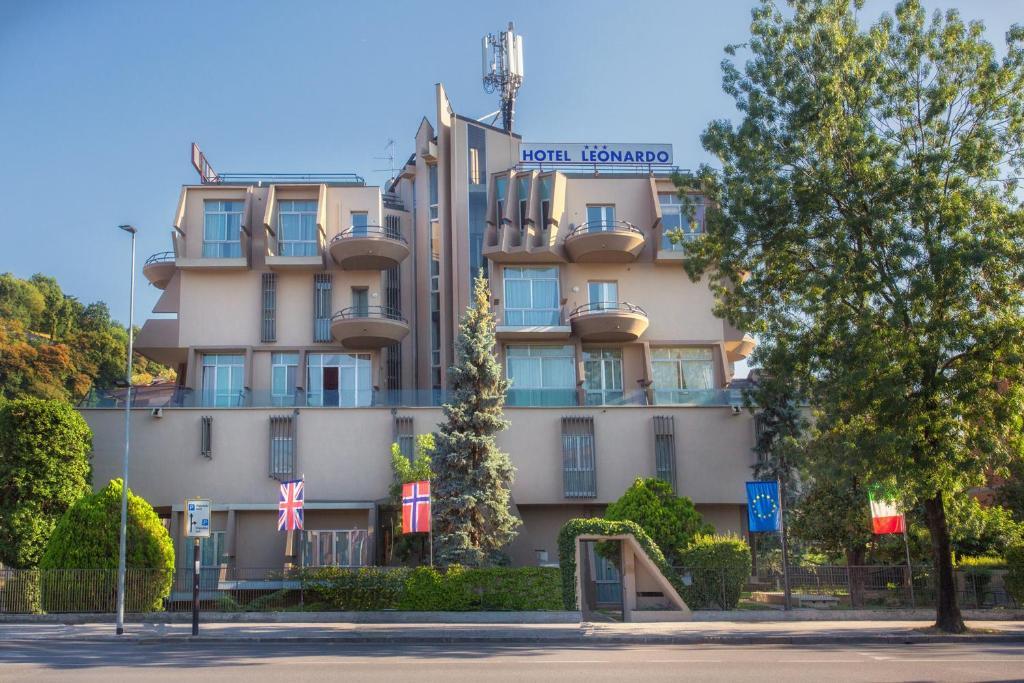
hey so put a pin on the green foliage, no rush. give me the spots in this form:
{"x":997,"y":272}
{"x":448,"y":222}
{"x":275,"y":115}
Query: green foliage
{"x":44,"y":469}
{"x":366,"y":588}
{"x":19,"y":591}
{"x":86,"y":538}
{"x":978,"y":530}
{"x":472,"y":478}
{"x":719,"y":567}
{"x":833,"y":517}
{"x":671,"y":521}
{"x":405,"y":547}
{"x":868,"y":229}
{"x":985,"y":561}
{"x":574,"y":528}
{"x":1014,"y":579}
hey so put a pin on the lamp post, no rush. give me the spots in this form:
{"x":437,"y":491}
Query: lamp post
{"x":123,"y":544}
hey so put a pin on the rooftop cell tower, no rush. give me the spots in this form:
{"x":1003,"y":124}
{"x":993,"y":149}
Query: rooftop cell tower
{"x":502,"y":59}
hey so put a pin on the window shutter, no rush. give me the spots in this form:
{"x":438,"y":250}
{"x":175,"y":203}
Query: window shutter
{"x":282,"y":447}
{"x":579,"y":464}
{"x":665,"y":449}
{"x":268,"y":328}
{"x":322,"y":307}
{"x":206,"y":436}
{"x":405,"y":436}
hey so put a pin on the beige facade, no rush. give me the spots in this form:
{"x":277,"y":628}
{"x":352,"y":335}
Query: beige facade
{"x":311,"y":320}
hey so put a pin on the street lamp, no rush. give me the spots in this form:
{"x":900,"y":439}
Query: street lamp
{"x":123,"y":545}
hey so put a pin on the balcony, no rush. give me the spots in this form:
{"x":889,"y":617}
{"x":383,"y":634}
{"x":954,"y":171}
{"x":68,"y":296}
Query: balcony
{"x":609,"y":321}
{"x":159,"y":269}
{"x":604,"y":242}
{"x":159,"y":340}
{"x":368,"y":327}
{"x":368,"y":248}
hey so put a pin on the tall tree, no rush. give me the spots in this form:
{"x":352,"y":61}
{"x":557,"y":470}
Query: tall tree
{"x":473,"y":479}
{"x":869,"y":193}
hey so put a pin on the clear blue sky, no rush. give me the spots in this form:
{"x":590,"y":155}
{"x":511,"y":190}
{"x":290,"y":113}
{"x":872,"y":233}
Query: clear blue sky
{"x":100,"y":100}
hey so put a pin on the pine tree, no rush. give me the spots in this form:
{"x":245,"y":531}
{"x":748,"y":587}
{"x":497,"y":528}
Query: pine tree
{"x":473,"y":479}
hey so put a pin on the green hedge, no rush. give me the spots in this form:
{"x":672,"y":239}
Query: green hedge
{"x":718,"y":567}
{"x":427,"y":589}
{"x":603,"y":527}
{"x":1014,"y":579}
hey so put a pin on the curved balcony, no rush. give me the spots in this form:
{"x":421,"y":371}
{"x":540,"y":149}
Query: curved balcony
{"x":368,"y":327}
{"x":604,"y":242}
{"x":608,"y":321}
{"x":159,"y":269}
{"x":369,"y":248}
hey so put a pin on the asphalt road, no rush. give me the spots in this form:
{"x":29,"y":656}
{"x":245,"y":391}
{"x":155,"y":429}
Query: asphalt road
{"x":251,"y":662}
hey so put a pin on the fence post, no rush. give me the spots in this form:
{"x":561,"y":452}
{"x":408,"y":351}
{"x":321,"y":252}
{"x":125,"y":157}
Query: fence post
{"x":721,"y":579}
{"x":974,"y":588}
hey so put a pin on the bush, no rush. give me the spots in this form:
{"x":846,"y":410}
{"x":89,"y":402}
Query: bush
{"x":85,"y":543}
{"x":981,"y":562}
{"x":671,"y":521}
{"x":719,"y":567}
{"x":1014,"y":579}
{"x":366,"y":588}
{"x":429,"y":590}
{"x":19,"y":591}
{"x":604,"y":527}
{"x":44,"y":467}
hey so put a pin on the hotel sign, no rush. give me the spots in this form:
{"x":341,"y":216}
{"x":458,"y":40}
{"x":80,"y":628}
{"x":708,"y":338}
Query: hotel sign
{"x":601,"y":153}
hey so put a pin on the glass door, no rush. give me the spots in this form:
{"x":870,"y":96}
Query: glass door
{"x":602,"y":376}
{"x":600,"y":218}
{"x":603,"y":295}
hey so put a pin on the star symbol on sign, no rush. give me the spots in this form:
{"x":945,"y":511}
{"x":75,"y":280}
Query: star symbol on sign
{"x":757,"y":508}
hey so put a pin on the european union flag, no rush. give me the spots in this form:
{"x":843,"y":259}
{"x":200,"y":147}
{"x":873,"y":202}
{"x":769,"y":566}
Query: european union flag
{"x":763,"y":505}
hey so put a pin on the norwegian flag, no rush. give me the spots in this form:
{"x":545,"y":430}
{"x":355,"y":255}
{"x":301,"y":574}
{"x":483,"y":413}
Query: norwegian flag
{"x":289,"y":507}
{"x":415,"y":507}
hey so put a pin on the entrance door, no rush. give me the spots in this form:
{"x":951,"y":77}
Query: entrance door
{"x":331,"y":386}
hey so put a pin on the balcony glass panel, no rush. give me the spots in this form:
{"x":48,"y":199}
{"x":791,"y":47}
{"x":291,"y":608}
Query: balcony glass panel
{"x":541,"y":375}
{"x":680,"y":371}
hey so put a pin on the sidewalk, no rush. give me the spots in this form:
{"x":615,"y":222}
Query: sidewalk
{"x":696,"y":632}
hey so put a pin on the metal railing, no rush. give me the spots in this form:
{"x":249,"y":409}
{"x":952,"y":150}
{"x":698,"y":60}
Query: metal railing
{"x":161,"y":257}
{"x":284,"y":178}
{"x":593,"y":227}
{"x":368,"y":231}
{"x":621,"y":168}
{"x":372,"y":312}
{"x":597,"y":307}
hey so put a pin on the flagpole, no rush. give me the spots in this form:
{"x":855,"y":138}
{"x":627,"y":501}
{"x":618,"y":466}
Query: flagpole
{"x":430,"y":541}
{"x":910,"y":567}
{"x":785,"y":549}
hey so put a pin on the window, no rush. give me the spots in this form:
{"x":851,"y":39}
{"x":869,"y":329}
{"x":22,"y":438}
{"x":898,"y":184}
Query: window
{"x":524,"y":203}
{"x":477,"y":199}
{"x":600,"y":218}
{"x":360,"y":302}
{"x":222,"y":225}
{"x":432,"y":182}
{"x":222,"y":380}
{"x":284,"y":368}
{"x":268,"y":323}
{"x":545,"y":202}
{"x":474,"y":166}
{"x":602,"y":376}
{"x":579,"y":464}
{"x":435,"y":305}
{"x":206,"y":436}
{"x":297,"y":231}
{"x":531,"y":296}
{"x":335,"y":548}
{"x":360,"y":223}
{"x":322,"y":295}
{"x":678,"y":371}
{"x":603,"y":295}
{"x":405,"y":437}
{"x":212,"y":550}
{"x":500,"y":191}
{"x":338,"y":379}
{"x":665,"y":449}
{"x":282,"y":447}
{"x":541,"y":375}
{"x":682,"y":219}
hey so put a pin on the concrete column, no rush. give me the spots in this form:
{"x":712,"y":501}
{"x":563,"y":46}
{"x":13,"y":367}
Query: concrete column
{"x":371,"y":535}
{"x":230,"y":532}
{"x":628,"y":580}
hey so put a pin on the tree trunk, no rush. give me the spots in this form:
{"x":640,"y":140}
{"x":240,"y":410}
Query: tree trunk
{"x":855,"y":565}
{"x":947,"y":610}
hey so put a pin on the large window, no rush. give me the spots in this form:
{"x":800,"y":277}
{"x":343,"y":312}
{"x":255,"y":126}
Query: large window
{"x":531,"y":296}
{"x":602,"y":376}
{"x":541,"y":375}
{"x":222,"y":226}
{"x":335,"y":548}
{"x":338,"y":379}
{"x":222,"y":380}
{"x":681,"y":219}
{"x":600,"y":218}
{"x":678,"y":371}
{"x":296,"y":225}
{"x":284,"y":369}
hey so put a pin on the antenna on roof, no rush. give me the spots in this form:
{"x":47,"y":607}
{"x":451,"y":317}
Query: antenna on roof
{"x":389,"y":156}
{"x":502,"y":62}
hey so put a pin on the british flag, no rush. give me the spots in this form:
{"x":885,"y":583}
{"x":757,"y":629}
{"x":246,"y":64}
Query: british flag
{"x":416,"y":507}
{"x":289,"y":507}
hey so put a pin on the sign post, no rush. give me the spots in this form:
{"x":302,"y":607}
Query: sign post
{"x":198,"y":527}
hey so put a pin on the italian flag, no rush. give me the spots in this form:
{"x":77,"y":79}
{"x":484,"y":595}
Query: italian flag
{"x":885,"y":516}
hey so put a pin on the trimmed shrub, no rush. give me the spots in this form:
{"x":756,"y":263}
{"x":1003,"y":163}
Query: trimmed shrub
{"x":19,"y":591}
{"x":85,"y":545}
{"x":1014,"y":579}
{"x":718,"y":567}
{"x":605,"y":527}
{"x":366,"y":588}
{"x":429,"y":590}
{"x":671,"y":521}
{"x":981,"y":562}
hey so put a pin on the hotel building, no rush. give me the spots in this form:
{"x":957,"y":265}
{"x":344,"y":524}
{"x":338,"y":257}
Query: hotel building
{"x":311,"y":319}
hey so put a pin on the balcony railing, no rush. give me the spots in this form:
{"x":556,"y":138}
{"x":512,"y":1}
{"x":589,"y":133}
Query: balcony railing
{"x":162,"y":257}
{"x":597,"y":307}
{"x":368,"y":231}
{"x":371,"y":312}
{"x":592,"y":227}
